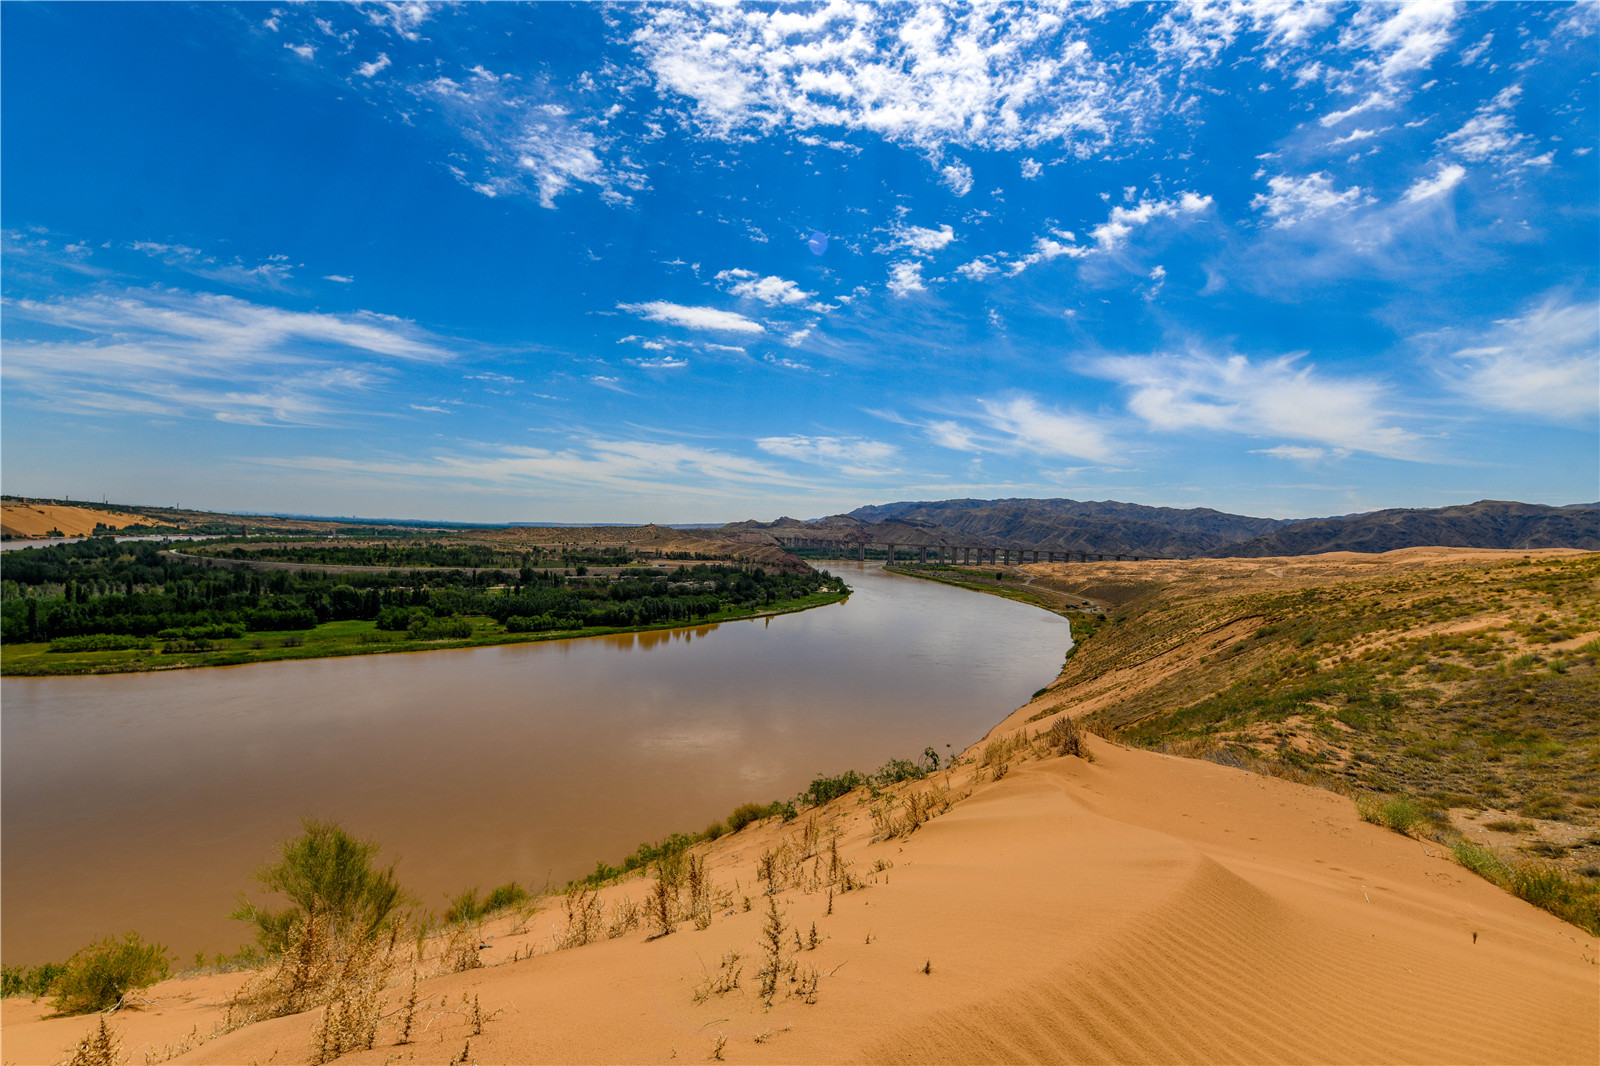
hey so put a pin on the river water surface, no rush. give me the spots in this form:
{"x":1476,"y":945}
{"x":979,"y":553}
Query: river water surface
{"x":144,"y":801}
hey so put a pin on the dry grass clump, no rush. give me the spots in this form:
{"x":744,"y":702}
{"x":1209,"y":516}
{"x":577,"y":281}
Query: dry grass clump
{"x":1067,"y":737}
{"x":900,"y":816}
{"x":460,"y":949}
{"x":100,"y":1046}
{"x":725,"y":980}
{"x":998,"y":753}
{"x":326,"y":965}
{"x":584,"y":919}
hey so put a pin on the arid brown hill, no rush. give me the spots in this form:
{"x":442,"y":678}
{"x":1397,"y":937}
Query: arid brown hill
{"x":1078,"y":525}
{"x":1485,"y":524}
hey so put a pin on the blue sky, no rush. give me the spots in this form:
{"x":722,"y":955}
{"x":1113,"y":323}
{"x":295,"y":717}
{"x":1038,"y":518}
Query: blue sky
{"x":573,"y":263}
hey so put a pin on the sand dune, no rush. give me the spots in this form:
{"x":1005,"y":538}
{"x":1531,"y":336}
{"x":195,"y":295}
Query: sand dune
{"x":36,"y":520}
{"x":1140,"y":909}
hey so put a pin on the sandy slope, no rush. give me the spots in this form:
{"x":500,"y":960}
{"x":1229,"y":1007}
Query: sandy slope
{"x":1140,"y":909}
{"x":36,"y":520}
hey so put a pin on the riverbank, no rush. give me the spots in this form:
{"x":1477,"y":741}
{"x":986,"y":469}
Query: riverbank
{"x":330,"y":640}
{"x":1022,"y":904}
{"x":1138,"y":907}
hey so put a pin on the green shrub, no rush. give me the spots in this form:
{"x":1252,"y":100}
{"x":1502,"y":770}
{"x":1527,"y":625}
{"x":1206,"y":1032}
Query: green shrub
{"x":1400,"y":814}
{"x":97,"y":977}
{"x":34,"y":981}
{"x":745,"y":814}
{"x":1554,"y":891}
{"x":99,"y":642}
{"x":825,"y":788}
{"x":504,"y":897}
{"x":326,"y":871}
{"x":1483,"y":862}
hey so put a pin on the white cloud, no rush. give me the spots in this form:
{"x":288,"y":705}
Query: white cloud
{"x":1541,"y":364}
{"x":977,"y":269}
{"x":1301,"y":453}
{"x":342,"y":279}
{"x":772,"y":291}
{"x":993,"y":77}
{"x":797,"y":338}
{"x":1489,"y":134}
{"x":905,"y":278}
{"x":304,"y":51}
{"x":1115,"y":231}
{"x":1447,"y":177}
{"x":272,"y":273}
{"x":1292,"y":201}
{"x":1359,"y":134}
{"x":708,"y":318}
{"x":919,"y":239}
{"x":957,"y":177}
{"x":1278,"y":397}
{"x":403,"y":19}
{"x":1373,"y":101}
{"x":1026,"y":426}
{"x":526,"y":142}
{"x":857,"y":456}
{"x":665,"y":362}
{"x":580,"y":470}
{"x":1031,"y":168}
{"x":1404,"y":37}
{"x":367,"y":70}
{"x":1044,"y":250}
{"x":177,"y":354}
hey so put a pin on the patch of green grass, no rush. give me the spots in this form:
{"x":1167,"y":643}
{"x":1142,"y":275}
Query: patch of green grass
{"x":98,"y":976}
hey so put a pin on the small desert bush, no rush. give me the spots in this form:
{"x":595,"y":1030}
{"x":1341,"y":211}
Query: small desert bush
{"x":1066,"y":737}
{"x":98,"y":976}
{"x":326,"y":963}
{"x":100,"y":1046}
{"x":1402,"y":814}
{"x":326,"y":866}
{"x":745,"y":814}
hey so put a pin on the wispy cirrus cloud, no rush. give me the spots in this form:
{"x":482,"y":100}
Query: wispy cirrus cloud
{"x":851,"y":456}
{"x":187,"y":355}
{"x":1540,"y":364}
{"x":1282,"y":396}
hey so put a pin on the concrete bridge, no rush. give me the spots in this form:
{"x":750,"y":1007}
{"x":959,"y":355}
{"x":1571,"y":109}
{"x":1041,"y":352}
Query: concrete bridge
{"x":947,"y":554}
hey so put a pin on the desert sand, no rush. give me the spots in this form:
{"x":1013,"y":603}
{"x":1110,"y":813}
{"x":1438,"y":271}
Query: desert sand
{"x":1137,"y":908}
{"x":38,"y":519}
{"x":1142,"y":908}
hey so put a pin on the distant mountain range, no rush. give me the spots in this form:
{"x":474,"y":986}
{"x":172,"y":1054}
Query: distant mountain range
{"x":1109,"y":527}
{"x":1485,"y":524}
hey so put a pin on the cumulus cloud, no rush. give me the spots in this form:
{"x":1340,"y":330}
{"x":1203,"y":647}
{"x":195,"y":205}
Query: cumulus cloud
{"x":1403,"y":38}
{"x":705,"y":318}
{"x":957,"y":177}
{"x":926,"y":75}
{"x":1489,"y":135}
{"x":1115,"y":231}
{"x":977,"y":269}
{"x":905,"y":278}
{"x":1291,"y":201}
{"x":1540,"y":364}
{"x":919,"y":239}
{"x":772,"y":291}
{"x":1280,"y":397}
{"x":367,"y":70}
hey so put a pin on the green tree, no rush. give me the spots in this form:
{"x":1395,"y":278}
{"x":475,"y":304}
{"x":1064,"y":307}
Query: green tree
{"x":328,"y":872}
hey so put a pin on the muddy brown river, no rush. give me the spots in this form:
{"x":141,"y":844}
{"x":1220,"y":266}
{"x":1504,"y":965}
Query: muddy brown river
{"x":144,"y":801}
